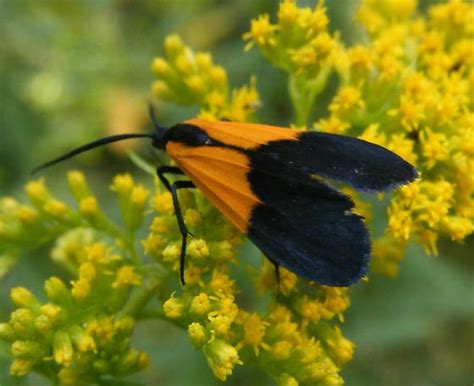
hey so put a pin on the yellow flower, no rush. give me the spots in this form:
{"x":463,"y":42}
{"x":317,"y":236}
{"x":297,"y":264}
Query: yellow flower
{"x":287,"y":380}
{"x":198,"y":249}
{"x":196,"y":84}
{"x":26,"y":215}
{"x":457,"y":227}
{"x":387,"y":252}
{"x":453,"y":14}
{"x":171,"y":253}
{"x":254,"y":329}
{"x":261,"y":32}
{"x":80,"y":288}
{"x":173,"y":45}
{"x":221,"y":358}
{"x":400,"y":222}
{"x":281,"y":350}
{"x":219,"y":323}
{"x":122,"y":184}
{"x":82,"y":340}
{"x":55,"y":208}
{"x":402,"y":146}
{"x":347,"y":98}
{"x":221,"y":282}
{"x":20,"y":367}
{"x":78,"y":185}
{"x":287,"y":12}
{"x":333,"y":125}
{"x":163,"y":203}
{"x":341,"y":348}
{"x":196,"y":333}
{"x":173,"y":307}
{"x":399,"y":8}
{"x":97,"y":253}
{"x":51,"y":311}
{"x":21,"y":297}
{"x":200,"y":304}
{"x":126,"y":276}
{"x":316,"y":21}
{"x":89,"y":206}
{"x":360,"y":57}
{"x":36,"y":191}
{"x":309,"y":309}
{"x":152,"y":244}
{"x":63,"y":349}
{"x":159,"y":225}
{"x":435,"y":147}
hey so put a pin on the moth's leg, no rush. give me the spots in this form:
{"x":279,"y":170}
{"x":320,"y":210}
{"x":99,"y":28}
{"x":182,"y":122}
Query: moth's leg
{"x":162,"y":170}
{"x":277,"y":272}
{"x":182,"y":226}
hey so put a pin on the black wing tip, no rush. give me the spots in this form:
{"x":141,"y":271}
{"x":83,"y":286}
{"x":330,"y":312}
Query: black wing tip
{"x":402,"y":176}
{"x":409,"y":175}
{"x":345,"y":280}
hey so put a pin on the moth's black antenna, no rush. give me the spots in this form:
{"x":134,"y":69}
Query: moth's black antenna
{"x":151,"y":113}
{"x":89,"y":146}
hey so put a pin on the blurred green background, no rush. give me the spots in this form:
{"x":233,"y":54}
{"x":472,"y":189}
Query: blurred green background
{"x":75,"y":71}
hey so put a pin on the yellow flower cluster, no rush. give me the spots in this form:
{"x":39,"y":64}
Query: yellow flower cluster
{"x":409,"y":89}
{"x":72,"y":337}
{"x":426,"y":67}
{"x":73,"y":334}
{"x":289,"y":342}
{"x":228,"y":334}
{"x":77,"y":335}
{"x":300,"y":43}
{"x":207,"y":252}
{"x":189,"y":78}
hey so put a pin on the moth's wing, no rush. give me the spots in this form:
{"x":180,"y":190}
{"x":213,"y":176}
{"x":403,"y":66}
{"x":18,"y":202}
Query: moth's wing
{"x":221,"y":174}
{"x":298,"y":222}
{"x":364,"y":165}
{"x":309,"y":228}
{"x":245,"y":136}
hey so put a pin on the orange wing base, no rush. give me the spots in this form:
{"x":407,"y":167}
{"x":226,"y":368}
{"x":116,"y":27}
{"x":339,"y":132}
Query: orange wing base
{"x":221,"y":174}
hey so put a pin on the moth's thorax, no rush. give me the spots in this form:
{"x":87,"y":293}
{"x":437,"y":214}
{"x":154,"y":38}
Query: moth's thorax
{"x":187,"y":134}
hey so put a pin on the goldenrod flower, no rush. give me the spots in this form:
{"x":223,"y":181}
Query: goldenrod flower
{"x":261,"y":32}
{"x":221,"y":358}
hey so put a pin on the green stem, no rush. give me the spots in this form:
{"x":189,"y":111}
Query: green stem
{"x":155,"y":313}
{"x":158,"y":313}
{"x":129,"y":239}
{"x":303,"y":92}
{"x":302,"y":100}
{"x":141,"y":299}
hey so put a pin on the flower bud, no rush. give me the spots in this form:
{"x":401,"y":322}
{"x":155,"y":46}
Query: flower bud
{"x":173,"y":307}
{"x":62,"y":348}
{"x":21,"y":297}
{"x":221,"y":358}
{"x":26,"y":349}
{"x":78,"y":185}
{"x":56,"y":291}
